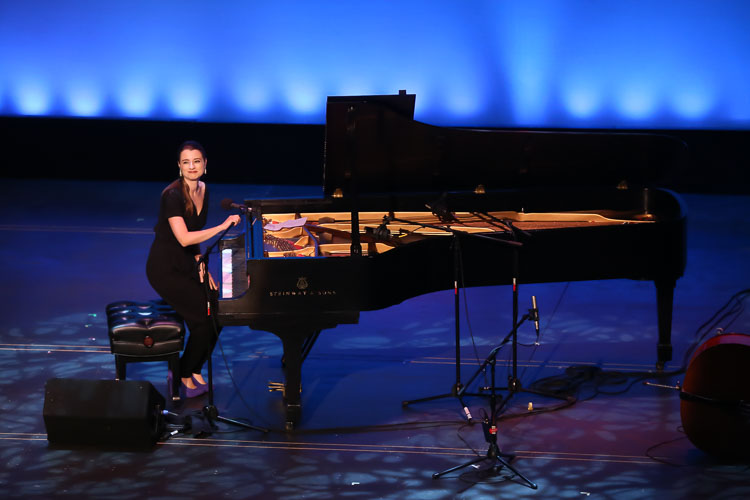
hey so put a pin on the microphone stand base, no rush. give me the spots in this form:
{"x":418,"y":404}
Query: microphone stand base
{"x":212,"y":414}
{"x":493,"y":454}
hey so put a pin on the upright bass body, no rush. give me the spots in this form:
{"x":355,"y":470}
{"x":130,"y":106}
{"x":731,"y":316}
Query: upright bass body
{"x":715,"y":397}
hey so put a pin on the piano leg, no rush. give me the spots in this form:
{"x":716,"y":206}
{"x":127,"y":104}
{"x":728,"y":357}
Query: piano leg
{"x":308,"y":344}
{"x":293,"y":347}
{"x":664,"y":304}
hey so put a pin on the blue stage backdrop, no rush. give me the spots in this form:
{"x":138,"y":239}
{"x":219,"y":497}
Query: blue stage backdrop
{"x":532,"y":63}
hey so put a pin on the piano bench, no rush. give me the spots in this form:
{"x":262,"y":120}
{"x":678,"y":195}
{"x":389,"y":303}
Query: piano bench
{"x":146,"y":331}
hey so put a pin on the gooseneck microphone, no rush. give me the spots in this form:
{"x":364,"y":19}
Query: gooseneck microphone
{"x":228,"y":204}
{"x":536,"y":315}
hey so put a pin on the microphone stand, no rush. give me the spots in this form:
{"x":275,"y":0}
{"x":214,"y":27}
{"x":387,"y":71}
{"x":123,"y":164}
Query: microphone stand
{"x":514,"y":383}
{"x":458,"y":389}
{"x":456,"y":250}
{"x":489,"y":425}
{"x":210,"y":411}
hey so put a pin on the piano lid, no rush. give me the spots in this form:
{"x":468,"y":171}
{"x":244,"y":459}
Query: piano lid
{"x":373,"y":145}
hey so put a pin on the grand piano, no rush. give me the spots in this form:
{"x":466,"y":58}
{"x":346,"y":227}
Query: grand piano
{"x":400,"y":196}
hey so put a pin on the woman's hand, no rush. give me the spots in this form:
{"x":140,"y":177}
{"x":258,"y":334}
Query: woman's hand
{"x":211,"y":282}
{"x":202,"y":274}
{"x":232,"y":220}
{"x":201,"y":267}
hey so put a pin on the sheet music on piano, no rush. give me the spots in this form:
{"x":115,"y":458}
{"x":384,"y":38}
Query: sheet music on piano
{"x":277,"y":226}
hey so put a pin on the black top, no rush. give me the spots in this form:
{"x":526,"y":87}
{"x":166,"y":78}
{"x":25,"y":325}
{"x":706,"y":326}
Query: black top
{"x":166,"y":250}
{"x":173,"y":205}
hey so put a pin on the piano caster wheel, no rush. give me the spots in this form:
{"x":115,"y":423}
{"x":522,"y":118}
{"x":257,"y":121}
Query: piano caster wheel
{"x":293,"y":416}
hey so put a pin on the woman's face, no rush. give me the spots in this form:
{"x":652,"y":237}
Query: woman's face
{"x":192,"y":164}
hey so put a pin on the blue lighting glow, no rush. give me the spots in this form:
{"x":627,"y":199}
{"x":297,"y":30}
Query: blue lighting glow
{"x":637,"y":100}
{"x":581,"y":99}
{"x":187,"y":99}
{"x":693,"y":103}
{"x":537,"y":63}
{"x":251,"y":97}
{"x":136,"y":98}
{"x":304,"y":98}
{"x":462,"y":101}
{"x":84,"y":99}
{"x":740,"y":111}
{"x":32,"y":97}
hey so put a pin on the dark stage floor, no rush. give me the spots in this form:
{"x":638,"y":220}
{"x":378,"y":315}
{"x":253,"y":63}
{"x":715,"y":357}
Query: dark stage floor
{"x":69,"y":248}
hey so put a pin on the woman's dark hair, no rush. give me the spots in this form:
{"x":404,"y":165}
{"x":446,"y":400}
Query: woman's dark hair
{"x":189,"y":145}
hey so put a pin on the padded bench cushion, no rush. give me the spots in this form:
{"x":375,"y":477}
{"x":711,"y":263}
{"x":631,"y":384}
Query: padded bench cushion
{"x":142,"y":329}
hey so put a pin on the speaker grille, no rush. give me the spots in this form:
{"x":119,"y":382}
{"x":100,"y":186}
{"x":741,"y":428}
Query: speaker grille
{"x":102,"y":412}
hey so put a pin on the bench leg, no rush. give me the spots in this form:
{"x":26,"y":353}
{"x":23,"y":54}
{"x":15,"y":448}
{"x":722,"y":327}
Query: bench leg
{"x":174,"y":367}
{"x":120,"y":367}
{"x":121,"y":363}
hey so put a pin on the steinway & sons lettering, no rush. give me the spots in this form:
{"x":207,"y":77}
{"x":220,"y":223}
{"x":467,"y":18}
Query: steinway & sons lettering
{"x":303,"y":290}
{"x":300,"y":293}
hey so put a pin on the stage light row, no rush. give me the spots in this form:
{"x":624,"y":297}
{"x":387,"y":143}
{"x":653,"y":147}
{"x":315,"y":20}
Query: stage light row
{"x":572,"y":103}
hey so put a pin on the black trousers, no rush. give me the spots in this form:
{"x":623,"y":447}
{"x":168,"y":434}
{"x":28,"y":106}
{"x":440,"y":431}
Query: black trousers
{"x":178,"y":283}
{"x":200,"y":343}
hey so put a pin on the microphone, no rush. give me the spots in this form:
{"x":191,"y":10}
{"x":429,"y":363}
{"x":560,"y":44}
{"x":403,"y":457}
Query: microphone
{"x":440,"y":209}
{"x":536,"y":315}
{"x":228,"y":204}
{"x":382,"y":232}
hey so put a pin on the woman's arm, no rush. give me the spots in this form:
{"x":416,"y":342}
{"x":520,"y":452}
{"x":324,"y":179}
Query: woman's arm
{"x":187,"y":238}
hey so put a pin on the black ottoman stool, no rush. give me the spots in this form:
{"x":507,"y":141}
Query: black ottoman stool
{"x":146,"y":331}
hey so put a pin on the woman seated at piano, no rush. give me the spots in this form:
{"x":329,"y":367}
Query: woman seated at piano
{"x":173,"y":269}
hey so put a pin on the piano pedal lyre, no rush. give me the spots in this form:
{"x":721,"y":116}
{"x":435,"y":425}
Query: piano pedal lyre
{"x":280,"y":387}
{"x":277,"y":387}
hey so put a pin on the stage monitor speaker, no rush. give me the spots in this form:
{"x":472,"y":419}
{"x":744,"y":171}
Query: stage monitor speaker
{"x":103,"y":412}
